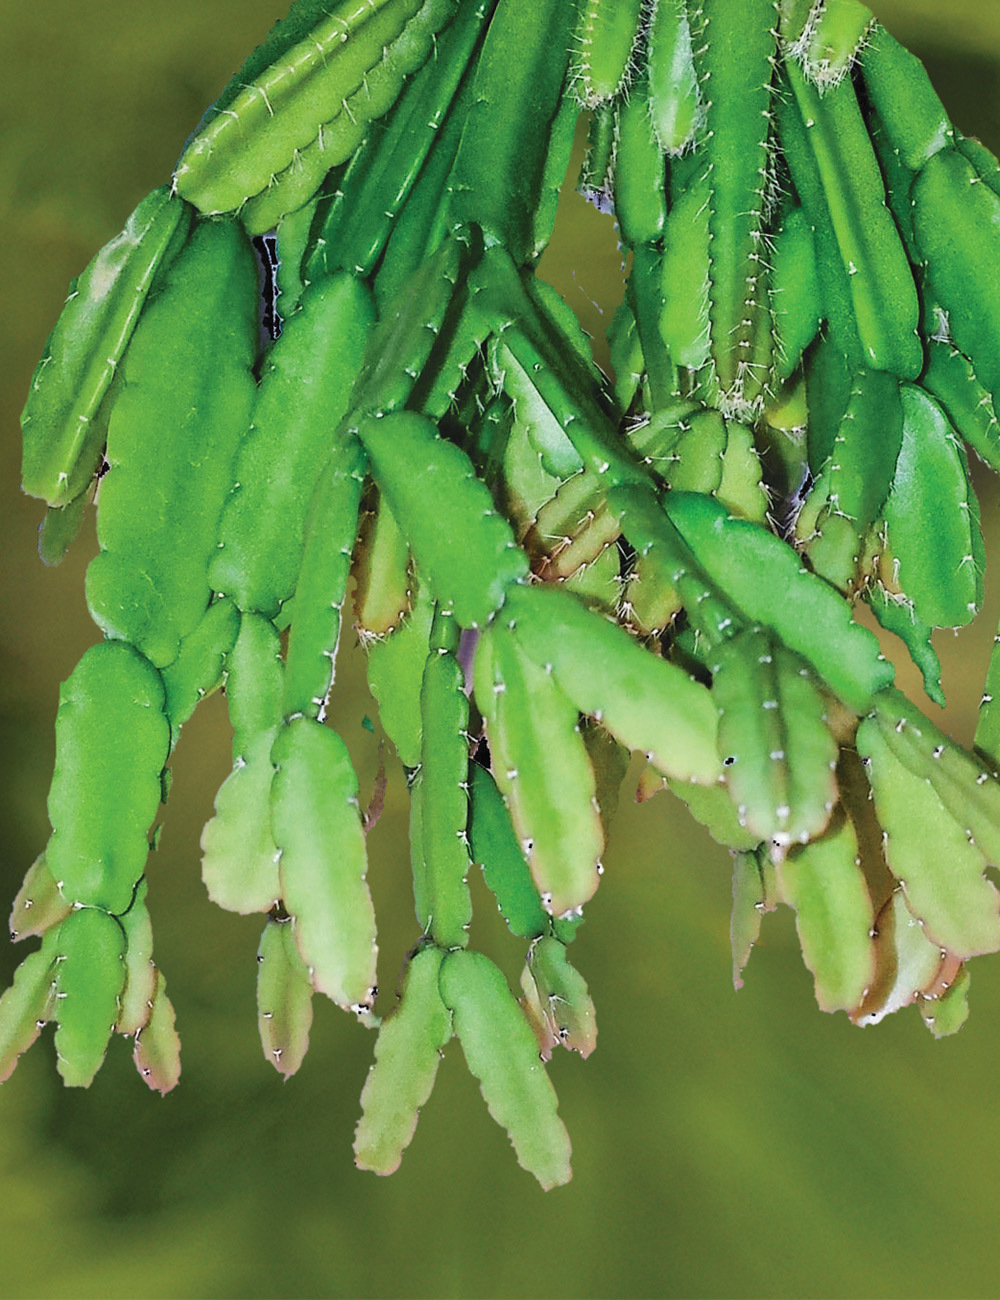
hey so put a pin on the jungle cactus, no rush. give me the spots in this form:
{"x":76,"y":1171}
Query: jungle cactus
{"x":550,"y":567}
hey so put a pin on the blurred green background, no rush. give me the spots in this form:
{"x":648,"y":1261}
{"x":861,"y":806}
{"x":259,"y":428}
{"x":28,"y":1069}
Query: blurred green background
{"x":725,"y":1145}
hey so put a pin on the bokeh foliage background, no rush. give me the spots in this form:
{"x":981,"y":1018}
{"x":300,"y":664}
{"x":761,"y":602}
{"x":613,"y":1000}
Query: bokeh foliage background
{"x":725,"y":1145}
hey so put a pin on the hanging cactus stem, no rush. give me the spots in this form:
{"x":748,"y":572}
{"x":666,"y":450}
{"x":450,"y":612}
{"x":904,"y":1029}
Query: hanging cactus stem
{"x":547,"y":570}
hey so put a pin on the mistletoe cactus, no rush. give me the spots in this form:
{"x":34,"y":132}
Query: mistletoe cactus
{"x":548,"y":567}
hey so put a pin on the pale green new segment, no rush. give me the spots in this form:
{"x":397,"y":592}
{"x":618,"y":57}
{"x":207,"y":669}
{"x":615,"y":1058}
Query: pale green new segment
{"x":26,"y":1006}
{"x":837,"y":34}
{"x":750,"y":902}
{"x":317,"y":828}
{"x":964,"y":784}
{"x":684,"y":317}
{"x":197,"y":671}
{"x":407,"y":1052}
{"x":778,"y":751}
{"x":157,"y":1050}
{"x":140,"y":973}
{"x":823,"y":882}
{"x":796,"y":299}
{"x":562,"y":997}
{"x":562,"y":136}
{"x":501,"y":1051}
{"x":38,"y":905}
{"x":712,"y":806}
{"x":284,"y":998}
{"x":254,"y":681}
{"x":395,"y":672}
{"x":640,"y":171}
{"x":61,"y":526}
{"x":239,"y":856}
{"x":930,"y":854}
{"x":383,"y":584}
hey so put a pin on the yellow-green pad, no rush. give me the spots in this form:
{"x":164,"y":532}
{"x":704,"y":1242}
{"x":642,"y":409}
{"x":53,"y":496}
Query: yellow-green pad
{"x":963,"y":783}
{"x":197,"y":671}
{"x":947,"y":1013}
{"x":675,"y":106}
{"x":605,"y":33}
